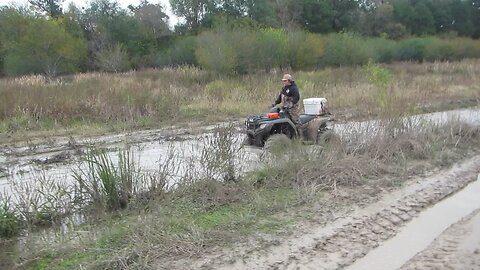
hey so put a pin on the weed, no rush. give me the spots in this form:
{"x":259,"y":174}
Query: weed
{"x":9,"y":224}
{"x":104,"y":184}
{"x":43,"y":201}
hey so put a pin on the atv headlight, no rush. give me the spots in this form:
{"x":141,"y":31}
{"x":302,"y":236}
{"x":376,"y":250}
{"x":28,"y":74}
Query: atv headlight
{"x":262,"y":126}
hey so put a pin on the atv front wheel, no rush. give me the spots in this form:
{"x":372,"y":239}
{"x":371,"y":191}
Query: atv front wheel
{"x":327,"y":137}
{"x":252,"y":141}
{"x":277,"y":142}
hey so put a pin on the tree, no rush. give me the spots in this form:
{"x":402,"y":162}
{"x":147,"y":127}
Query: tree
{"x":344,"y":14}
{"x":262,"y":11}
{"x":13,"y":24}
{"x":288,"y":13}
{"x":403,"y":13}
{"x":52,"y":8}
{"x":153,"y":17}
{"x":192,"y":11}
{"x":422,"y":20}
{"x":462,"y":17}
{"x":45,"y":48}
{"x":317,"y":16}
{"x":476,"y":18}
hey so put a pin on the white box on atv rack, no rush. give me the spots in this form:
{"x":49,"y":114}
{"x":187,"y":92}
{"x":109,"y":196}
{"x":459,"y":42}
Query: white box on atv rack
{"x":314,"y":106}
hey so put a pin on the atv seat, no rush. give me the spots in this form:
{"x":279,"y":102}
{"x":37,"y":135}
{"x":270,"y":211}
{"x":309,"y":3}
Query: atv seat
{"x":305,"y":118}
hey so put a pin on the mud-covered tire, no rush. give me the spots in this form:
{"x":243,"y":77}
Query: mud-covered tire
{"x":248,"y":141}
{"x":277,"y":142}
{"x":252,"y":141}
{"x":327,"y":137}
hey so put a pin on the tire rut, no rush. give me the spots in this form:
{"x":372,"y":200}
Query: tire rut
{"x":342,"y":242}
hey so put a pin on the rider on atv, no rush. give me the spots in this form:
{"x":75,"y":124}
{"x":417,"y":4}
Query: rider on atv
{"x":289,"y":98}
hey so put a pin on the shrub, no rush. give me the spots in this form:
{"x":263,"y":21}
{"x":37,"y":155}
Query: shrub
{"x":411,"y":50}
{"x":9,"y":226}
{"x":345,"y":49}
{"x":112,"y":59}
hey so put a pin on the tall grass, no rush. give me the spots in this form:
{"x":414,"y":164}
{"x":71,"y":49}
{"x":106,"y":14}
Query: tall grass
{"x":104,"y":184}
{"x":9,"y":223}
{"x":153,"y":98}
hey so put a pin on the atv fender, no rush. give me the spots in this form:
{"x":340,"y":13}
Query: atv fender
{"x":313,"y":127}
{"x":275,"y":127}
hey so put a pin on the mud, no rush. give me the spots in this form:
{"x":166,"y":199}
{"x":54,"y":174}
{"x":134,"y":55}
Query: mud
{"x":456,"y":248}
{"x":344,"y":237}
{"x":56,"y":158}
{"x":421,"y":231}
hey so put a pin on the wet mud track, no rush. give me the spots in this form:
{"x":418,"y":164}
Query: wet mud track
{"x":457,"y":248}
{"x":343,"y":241}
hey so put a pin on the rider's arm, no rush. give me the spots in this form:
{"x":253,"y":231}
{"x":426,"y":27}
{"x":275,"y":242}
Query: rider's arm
{"x":278,"y":100}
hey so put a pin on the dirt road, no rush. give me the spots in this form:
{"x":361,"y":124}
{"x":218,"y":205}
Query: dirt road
{"x":457,"y":248}
{"x":351,"y":236}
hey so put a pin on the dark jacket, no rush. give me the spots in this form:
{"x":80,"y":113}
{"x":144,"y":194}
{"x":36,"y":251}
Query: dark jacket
{"x":289,"y":91}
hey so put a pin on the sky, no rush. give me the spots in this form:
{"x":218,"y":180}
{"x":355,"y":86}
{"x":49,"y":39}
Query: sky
{"x":123,"y":4}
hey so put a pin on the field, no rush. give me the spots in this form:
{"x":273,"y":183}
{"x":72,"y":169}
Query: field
{"x":219,"y":216}
{"x":98,"y":103}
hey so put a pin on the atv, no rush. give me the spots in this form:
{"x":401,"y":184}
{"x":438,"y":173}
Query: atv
{"x":262,"y":128}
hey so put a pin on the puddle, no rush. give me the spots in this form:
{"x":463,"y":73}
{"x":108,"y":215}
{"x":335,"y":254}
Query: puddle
{"x":421,"y":231}
{"x":150,"y":149}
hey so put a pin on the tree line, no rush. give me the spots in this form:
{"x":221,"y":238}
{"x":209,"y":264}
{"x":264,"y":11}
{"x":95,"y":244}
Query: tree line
{"x":233,"y":36}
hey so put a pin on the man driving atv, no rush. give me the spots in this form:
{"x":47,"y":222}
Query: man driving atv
{"x":289,"y":97}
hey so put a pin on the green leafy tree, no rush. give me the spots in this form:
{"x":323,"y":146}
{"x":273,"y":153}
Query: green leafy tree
{"x":215,"y":52}
{"x":462,"y":17}
{"x":152,"y":17}
{"x":13,"y":24}
{"x":45,"y":48}
{"x":192,"y":11}
{"x":262,"y":11}
{"x":422,"y":21}
{"x":52,"y":8}
{"x":317,"y":16}
{"x":403,"y":13}
{"x":476,"y":18}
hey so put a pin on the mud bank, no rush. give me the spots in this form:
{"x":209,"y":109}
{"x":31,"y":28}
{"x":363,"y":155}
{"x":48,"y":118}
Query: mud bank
{"x":347,"y":236}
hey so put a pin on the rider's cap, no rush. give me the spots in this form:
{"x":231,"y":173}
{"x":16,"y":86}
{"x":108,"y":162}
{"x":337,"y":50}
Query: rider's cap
{"x":287,"y":77}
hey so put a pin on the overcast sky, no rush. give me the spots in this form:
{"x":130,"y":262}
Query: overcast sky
{"x":123,"y":4}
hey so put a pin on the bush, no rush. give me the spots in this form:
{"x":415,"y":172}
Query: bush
{"x":9,"y":226}
{"x":304,"y":49}
{"x":411,"y":50}
{"x":345,"y":49}
{"x":181,"y":53}
{"x":112,"y":59}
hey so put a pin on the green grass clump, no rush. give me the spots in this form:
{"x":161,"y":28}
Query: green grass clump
{"x":9,"y":224}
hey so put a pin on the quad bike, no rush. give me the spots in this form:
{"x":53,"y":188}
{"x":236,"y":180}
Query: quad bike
{"x":262,"y":128}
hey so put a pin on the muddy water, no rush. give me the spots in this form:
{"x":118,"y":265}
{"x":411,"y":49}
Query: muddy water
{"x":469,"y":116}
{"x":421,"y":231}
{"x":150,"y":149}
{"x":149,"y":156}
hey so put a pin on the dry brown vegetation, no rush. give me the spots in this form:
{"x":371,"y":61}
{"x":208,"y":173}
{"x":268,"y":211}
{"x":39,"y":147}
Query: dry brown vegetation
{"x":152,"y":98}
{"x":210,"y":207}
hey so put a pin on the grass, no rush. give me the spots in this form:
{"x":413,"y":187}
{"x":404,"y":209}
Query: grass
{"x":215,"y":205}
{"x":9,"y":223}
{"x":291,"y":187}
{"x":97,"y":102}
